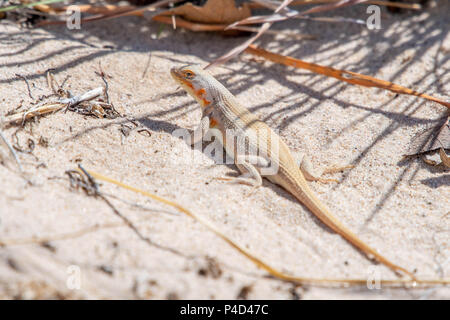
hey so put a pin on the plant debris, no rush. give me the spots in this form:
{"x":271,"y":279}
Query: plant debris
{"x":431,"y":141}
{"x":88,"y":104}
{"x":214,"y":11}
{"x":11,"y":149}
{"x":343,"y":75}
{"x":281,"y":275}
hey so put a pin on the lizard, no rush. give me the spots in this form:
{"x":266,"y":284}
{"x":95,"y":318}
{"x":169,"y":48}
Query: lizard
{"x":221,"y":111}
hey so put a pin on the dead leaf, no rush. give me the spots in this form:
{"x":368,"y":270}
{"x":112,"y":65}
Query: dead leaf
{"x":214,"y":11}
{"x":444,"y":158}
{"x":430,"y":162}
{"x":432,"y":139}
{"x":193,"y":26}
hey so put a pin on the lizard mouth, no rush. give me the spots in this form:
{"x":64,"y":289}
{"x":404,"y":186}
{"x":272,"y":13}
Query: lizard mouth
{"x":175,"y":73}
{"x":178,"y":76}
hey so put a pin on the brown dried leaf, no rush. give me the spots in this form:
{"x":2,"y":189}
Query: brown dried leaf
{"x":431,"y":139}
{"x":444,"y":158}
{"x":214,"y":11}
{"x":193,"y":26}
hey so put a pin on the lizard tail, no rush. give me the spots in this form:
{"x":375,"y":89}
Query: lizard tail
{"x":305,"y":195}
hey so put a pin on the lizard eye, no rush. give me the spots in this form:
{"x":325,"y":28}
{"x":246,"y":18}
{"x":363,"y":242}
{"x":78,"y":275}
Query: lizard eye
{"x":188,"y":75}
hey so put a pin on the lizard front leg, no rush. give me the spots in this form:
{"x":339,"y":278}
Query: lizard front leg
{"x":200,"y":131}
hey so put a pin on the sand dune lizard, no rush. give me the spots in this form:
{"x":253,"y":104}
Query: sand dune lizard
{"x":222,"y":111}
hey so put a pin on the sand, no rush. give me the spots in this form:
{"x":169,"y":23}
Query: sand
{"x":398,"y":207}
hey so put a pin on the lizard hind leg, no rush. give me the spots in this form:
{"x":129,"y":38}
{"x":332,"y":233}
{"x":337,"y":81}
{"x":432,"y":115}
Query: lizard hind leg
{"x":336,"y":169}
{"x":312,"y":174}
{"x":250,"y":174}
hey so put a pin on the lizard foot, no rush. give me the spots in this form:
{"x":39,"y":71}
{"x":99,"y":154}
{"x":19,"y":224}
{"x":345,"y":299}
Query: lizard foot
{"x":328,"y":171}
{"x":252,"y":191}
{"x":243,"y":179}
{"x":337,"y":169}
{"x":323,"y":180}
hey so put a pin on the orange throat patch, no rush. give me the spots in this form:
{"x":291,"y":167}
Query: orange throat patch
{"x":212,"y":122}
{"x":200,"y":93}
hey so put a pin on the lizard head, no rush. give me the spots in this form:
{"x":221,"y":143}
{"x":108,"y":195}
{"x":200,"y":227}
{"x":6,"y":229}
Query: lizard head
{"x":194,"y":80}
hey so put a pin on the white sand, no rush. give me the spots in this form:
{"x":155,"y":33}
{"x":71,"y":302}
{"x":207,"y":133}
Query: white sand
{"x":400,"y":208}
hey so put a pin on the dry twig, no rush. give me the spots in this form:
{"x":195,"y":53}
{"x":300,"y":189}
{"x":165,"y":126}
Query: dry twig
{"x":11,"y":149}
{"x":263,"y":265}
{"x":343,"y":75}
